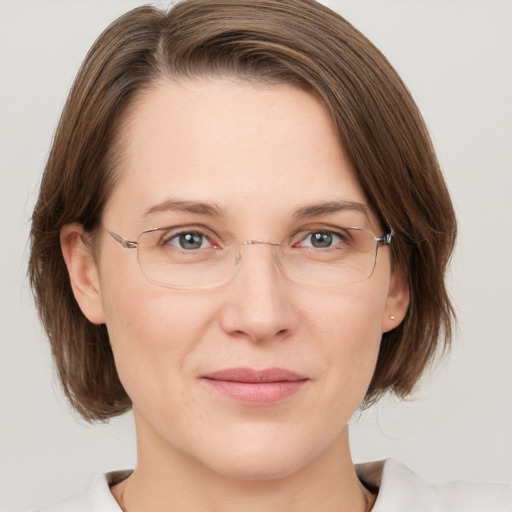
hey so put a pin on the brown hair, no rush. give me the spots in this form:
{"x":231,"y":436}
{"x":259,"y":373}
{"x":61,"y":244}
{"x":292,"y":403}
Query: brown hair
{"x":299,"y":42}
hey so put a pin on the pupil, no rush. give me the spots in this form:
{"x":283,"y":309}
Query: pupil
{"x":321,"y":239}
{"x":191,"y":240}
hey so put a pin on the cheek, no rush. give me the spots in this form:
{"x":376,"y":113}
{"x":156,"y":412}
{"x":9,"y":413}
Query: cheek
{"x":346,"y":327}
{"x":349,"y":319}
{"x":153,"y":331}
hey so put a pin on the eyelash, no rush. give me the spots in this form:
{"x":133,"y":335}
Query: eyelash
{"x":331,"y":233}
{"x":169,"y":236}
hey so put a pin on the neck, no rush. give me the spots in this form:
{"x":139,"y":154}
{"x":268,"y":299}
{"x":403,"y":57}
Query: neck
{"x":167,"y":480}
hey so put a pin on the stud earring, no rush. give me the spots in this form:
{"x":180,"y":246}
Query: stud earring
{"x":392,"y":317}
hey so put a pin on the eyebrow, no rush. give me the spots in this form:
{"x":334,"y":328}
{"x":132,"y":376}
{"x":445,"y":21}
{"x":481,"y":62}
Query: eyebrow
{"x":330,"y":207}
{"x":198,"y":207}
{"x":214,"y":210}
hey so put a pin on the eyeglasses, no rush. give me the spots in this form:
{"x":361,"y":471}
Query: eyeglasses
{"x":190,"y":258}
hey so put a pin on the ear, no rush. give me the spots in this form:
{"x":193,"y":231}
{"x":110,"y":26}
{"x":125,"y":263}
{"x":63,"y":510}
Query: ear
{"x":397,"y":301}
{"x":83,"y":272}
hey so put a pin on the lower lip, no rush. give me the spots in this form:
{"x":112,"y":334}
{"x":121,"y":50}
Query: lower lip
{"x":257,"y":392}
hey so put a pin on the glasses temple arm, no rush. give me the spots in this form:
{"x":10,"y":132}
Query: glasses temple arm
{"x":386,"y":239}
{"x":125,"y":243}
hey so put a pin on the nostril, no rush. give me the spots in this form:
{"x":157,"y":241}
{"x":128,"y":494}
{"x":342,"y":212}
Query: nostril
{"x":261,"y":337}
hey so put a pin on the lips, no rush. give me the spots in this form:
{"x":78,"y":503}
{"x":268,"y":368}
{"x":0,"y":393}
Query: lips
{"x":256,"y":386}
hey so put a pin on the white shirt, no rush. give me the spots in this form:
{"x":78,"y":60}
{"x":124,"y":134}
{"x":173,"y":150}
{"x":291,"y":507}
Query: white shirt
{"x":400,"y":490}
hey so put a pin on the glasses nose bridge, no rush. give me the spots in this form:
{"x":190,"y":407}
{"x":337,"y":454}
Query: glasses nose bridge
{"x":258,"y":242}
{"x":246,"y":243}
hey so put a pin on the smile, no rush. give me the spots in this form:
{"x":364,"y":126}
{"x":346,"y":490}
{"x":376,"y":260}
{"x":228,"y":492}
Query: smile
{"x":256,"y":386}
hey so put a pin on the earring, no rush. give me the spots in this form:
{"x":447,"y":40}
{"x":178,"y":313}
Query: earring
{"x":392,"y":317}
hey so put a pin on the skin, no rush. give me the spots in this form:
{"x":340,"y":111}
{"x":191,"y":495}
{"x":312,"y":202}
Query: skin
{"x":260,"y":152}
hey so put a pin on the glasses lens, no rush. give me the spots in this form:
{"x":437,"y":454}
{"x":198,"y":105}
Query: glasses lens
{"x":181,"y":260}
{"x":186,"y":260}
{"x":349,"y":258}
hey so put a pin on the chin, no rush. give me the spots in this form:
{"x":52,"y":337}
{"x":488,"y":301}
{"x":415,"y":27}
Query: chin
{"x":260,"y":468}
{"x":271,"y":459}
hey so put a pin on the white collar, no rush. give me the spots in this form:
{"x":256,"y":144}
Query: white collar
{"x":400,"y":490}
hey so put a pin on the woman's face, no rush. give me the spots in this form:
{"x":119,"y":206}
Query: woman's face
{"x":238,"y":160}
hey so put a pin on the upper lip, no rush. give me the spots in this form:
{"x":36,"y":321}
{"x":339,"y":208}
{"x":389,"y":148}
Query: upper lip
{"x":243,"y":374}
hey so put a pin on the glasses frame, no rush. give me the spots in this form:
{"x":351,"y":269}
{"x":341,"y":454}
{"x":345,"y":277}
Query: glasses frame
{"x":383,"y":240}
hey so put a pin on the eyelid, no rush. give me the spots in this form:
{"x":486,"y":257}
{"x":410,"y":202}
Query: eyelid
{"x":306,"y":230}
{"x":201,"y":228}
{"x":221,"y":240}
{"x":338,"y":233}
{"x":170,"y":232}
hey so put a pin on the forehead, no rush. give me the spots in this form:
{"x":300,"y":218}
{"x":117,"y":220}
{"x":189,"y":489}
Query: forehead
{"x":255,"y":150}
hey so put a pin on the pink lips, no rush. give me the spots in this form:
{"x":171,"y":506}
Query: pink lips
{"x":256,"y":386}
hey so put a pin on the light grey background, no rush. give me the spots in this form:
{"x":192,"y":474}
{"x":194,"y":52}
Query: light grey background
{"x":455,"y":56}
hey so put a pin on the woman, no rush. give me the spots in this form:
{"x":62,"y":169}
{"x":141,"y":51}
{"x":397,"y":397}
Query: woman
{"x":242,"y":233}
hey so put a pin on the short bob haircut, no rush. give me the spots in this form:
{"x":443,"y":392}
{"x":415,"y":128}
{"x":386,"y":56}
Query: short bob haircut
{"x":296,"y":42}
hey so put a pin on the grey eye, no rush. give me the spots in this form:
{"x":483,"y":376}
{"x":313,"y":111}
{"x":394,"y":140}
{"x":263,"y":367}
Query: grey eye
{"x":322,"y":239}
{"x":189,"y":240}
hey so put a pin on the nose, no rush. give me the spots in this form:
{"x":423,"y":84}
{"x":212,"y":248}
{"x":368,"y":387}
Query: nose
{"x":259,"y":305}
